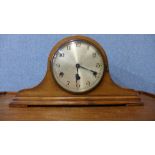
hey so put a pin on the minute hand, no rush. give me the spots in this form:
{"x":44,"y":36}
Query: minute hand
{"x":94,"y":72}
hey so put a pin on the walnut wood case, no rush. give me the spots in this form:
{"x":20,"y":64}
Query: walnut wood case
{"x":48,"y":93}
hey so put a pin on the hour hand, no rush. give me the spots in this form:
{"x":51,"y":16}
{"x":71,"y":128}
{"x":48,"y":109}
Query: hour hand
{"x":77,"y":77}
{"x":77,"y":67}
{"x":77,"y":74}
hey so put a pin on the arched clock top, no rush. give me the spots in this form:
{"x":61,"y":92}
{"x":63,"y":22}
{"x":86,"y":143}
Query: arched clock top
{"x":91,"y":41}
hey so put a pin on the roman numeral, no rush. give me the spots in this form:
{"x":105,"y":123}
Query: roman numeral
{"x":68,"y":47}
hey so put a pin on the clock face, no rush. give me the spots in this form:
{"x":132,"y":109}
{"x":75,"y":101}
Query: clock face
{"x":77,"y":66}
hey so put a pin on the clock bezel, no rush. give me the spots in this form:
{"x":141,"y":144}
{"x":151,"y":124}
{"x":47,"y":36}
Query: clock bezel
{"x":92,"y":42}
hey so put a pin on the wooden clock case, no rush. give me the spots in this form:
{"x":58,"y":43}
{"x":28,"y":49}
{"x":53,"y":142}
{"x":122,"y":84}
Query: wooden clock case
{"x":49,"y":93}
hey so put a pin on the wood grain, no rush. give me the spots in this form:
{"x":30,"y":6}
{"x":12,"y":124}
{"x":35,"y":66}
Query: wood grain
{"x":2,"y":93}
{"x":77,"y":113}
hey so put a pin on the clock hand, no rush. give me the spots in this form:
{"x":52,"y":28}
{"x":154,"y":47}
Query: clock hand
{"x":77,"y":75}
{"x":77,"y":66}
{"x":94,"y":72}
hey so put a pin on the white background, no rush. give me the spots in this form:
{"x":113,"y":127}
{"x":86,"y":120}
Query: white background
{"x":82,"y":16}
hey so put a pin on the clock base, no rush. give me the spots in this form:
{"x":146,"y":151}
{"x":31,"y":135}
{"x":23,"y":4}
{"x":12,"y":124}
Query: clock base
{"x":76,"y":101}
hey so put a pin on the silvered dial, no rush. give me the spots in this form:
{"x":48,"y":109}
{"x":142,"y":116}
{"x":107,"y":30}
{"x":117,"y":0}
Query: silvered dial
{"x":78,"y":66}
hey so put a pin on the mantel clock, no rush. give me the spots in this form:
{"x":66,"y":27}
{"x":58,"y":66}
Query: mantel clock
{"x":77,"y":74}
